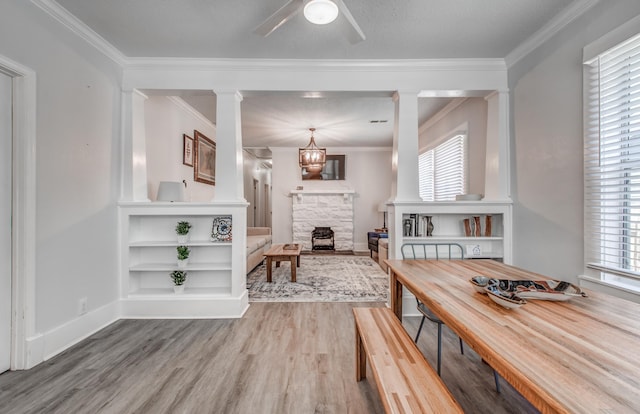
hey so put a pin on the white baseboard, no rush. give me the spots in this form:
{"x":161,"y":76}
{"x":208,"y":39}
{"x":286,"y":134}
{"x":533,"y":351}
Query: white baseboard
{"x":190,"y":308}
{"x":42,"y":347}
{"x":64,"y":336}
{"x":34,"y":351}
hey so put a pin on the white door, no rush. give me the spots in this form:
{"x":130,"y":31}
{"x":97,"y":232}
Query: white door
{"x":5,"y":221}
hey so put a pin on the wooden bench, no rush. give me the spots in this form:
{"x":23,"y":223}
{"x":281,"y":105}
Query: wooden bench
{"x":406,"y":382}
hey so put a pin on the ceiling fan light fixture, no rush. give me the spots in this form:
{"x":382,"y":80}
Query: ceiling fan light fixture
{"x":320,"y":11}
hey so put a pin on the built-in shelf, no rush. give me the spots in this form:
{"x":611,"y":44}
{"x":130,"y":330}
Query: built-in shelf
{"x":216,"y":275}
{"x":188,"y":293}
{"x":448,"y":221}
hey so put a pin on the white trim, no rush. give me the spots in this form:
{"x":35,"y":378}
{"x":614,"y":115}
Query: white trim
{"x":24,"y":211}
{"x":321,"y":65}
{"x":53,"y":9}
{"x":600,"y":285}
{"x":190,"y":110}
{"x":620,"y":34}
{"x":462,"y":129}
{"x":557,"y":23}
{"x":441,"y":114}
{"x":70,"y":333}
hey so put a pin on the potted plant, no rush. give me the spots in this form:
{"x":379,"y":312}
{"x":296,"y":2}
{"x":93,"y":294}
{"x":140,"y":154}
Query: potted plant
{"x":182,"y":230}
{"x":178,"y":277}
{"x":183,"y":256}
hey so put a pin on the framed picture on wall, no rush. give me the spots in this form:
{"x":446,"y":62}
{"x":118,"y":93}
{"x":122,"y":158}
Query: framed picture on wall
{"x":187,"y":150}
{"x":204,"y":159}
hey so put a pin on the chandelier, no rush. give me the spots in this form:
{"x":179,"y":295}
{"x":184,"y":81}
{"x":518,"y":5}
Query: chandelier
{"x":311,"y":157}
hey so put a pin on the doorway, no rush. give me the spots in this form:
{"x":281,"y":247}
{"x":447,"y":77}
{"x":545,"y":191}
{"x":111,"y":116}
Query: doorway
{"x":6,"y":132}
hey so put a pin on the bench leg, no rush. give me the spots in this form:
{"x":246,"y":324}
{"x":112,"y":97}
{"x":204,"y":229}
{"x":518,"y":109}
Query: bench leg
{"x":361,"y":358}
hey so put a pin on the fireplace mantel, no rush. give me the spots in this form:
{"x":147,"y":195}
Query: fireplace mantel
{"x":346,"y":193}
{"x":311,"y":208}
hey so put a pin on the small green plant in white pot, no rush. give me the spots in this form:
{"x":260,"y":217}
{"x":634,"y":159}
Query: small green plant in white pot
{"x":183,"y":256}
{"x":182,"y":230}
{"x":178,"y":277}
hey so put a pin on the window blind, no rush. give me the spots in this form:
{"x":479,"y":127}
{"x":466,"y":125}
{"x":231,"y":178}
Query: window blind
{"x":442,"y":170}
{"x":612,"y":161}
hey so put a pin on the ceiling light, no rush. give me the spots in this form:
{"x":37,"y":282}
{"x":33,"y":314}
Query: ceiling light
{"x":320,"y":11}
{"x":311,"y":157}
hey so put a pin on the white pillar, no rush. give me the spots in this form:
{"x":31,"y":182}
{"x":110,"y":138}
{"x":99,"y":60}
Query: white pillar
{"x":497,"y":178}
{"x":134,"y":148}
{"x":229,"y":169}
{"x":405,"y":183}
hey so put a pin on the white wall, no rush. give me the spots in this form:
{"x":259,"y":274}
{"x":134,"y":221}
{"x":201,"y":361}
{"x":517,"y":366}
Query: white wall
{"x":547,"y":179}
{"x":473,"y":113}
{"x":166,"y":119}
{"x":78,"y":156}
{"x":368,"y":172}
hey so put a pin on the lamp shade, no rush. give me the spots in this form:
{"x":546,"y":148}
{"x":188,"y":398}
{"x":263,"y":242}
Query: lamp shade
{"x":170,"y":191}
{"x":382,"y":207}
{"x":320,"y":11}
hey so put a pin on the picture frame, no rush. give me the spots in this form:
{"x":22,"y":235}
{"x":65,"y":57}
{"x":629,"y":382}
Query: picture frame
{"x":204,"y":159}
{"x":187,"y":150}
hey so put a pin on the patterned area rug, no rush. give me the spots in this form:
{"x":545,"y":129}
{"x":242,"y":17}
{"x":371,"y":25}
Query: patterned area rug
{"x":321,"y":279}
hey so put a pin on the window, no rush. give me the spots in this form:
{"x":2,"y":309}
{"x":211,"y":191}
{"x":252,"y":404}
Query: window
{"x":612,"y":164}
{"x":442,"y":170}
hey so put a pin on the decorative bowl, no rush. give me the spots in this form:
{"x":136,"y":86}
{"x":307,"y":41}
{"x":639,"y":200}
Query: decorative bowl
{"x":503,"y":298}
{"x":554,"y":290}
{"x":480,"y":282}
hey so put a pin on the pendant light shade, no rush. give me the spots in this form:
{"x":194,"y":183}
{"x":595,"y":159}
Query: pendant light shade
{"x":320,"y":11}
{"x":311,"y":157}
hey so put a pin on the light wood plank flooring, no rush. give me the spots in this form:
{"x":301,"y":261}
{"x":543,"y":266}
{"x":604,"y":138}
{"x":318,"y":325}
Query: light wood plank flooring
{"x":278,"y":358}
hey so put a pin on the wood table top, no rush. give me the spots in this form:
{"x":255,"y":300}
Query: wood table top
{"x":578,"y":356}
{"x":279,"y":250}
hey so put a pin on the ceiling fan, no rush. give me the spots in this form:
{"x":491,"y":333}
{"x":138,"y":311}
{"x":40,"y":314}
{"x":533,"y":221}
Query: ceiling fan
{"x":331,"y":7}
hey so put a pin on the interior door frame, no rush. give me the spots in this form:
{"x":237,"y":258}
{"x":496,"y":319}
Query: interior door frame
{"x":24,"y":351}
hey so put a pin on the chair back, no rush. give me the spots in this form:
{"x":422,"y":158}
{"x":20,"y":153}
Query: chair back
{"x":435,"y":251}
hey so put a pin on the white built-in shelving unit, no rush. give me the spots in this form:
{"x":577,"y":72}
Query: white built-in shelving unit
{"x":216,"y":282}
{"x":448,"y":221}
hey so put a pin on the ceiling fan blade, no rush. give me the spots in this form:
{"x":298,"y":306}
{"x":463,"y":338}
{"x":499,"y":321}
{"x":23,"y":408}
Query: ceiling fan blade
{"x":355,"y":34}
{"x":279,"y":18}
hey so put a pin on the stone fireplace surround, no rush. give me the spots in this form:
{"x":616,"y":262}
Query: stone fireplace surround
{"x":323,"y":208}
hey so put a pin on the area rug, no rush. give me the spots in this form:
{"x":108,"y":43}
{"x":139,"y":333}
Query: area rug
{"x":321,"y":279}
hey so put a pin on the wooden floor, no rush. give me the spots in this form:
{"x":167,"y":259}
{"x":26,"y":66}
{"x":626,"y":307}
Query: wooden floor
{"x":278,"y":358}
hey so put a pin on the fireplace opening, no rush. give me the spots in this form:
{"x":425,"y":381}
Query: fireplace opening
{"x":322,"y":239}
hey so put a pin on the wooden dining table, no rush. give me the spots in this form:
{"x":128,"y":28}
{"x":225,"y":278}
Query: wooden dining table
{"x":575,"y":356}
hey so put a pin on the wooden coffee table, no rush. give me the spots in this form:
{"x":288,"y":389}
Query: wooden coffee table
{"x":282,"y":252}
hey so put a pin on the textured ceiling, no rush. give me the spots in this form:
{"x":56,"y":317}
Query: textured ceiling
{"x":406,"y":29}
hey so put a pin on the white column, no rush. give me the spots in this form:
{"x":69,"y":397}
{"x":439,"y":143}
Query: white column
{"x":405,"y":185}
{"x":229,"y":171}
{"x":134,"y":148}
{"x":497,"y":176}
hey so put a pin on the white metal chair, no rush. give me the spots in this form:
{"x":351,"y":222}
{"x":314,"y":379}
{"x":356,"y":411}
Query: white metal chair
{"x":436,"y":251}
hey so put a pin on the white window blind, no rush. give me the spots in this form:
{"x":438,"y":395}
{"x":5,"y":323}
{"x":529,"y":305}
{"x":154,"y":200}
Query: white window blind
{"x":612,"y":162}
{"x":442,"y":170}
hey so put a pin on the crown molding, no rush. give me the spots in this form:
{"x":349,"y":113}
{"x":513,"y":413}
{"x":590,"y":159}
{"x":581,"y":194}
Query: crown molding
{"x":188,"y":109}
{"x":320,"y":65}
{"x":441,"y":114}
{"x":61,"y":14}
{"x":557,"y":23}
